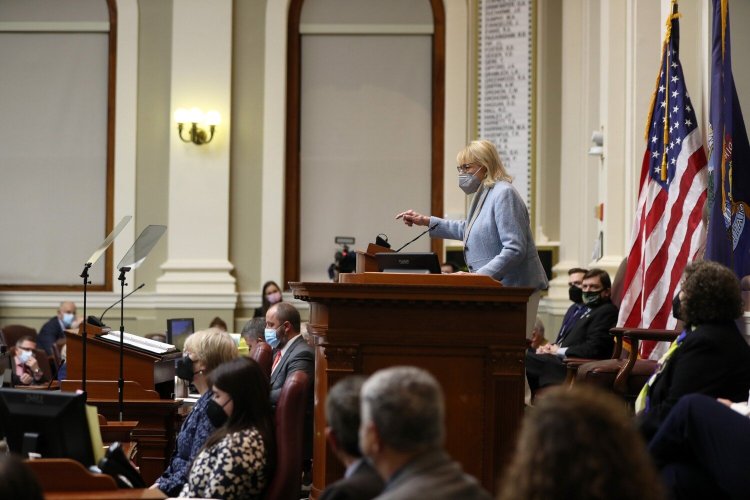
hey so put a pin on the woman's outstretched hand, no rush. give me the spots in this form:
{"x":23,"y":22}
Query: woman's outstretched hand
{"x":411,"y":217}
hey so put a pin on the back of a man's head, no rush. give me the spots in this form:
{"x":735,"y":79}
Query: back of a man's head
{"x":405,"y":404}
{"x":342,"y":412}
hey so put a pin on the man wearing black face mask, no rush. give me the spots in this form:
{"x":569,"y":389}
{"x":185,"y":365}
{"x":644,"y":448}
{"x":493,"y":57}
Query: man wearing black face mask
{"x":576,"y":310}
{"x":588,"y":338}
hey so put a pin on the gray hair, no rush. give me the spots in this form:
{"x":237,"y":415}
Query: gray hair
{"x":406,"y":406}
{"x":342,"y":412}
{"x":254,"y":328}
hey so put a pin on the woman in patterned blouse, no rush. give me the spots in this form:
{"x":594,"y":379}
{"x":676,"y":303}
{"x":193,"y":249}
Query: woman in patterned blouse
{"x":236,"y":460}
{"x":204,"y":351}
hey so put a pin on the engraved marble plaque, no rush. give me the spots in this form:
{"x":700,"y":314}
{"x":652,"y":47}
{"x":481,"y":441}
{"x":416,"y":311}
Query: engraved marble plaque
{"x":505,"y":85}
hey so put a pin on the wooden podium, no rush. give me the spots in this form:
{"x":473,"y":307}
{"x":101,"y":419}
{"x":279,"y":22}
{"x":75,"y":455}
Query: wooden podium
{"x":148,"y":378}
{"x":467,"y":330}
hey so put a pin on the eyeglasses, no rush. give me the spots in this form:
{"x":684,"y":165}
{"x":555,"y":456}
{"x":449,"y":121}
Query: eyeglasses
{"x":462,"y":169}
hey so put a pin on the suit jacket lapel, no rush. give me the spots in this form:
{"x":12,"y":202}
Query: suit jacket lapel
{"x":284,"y":358}
{"x":476,"y":207}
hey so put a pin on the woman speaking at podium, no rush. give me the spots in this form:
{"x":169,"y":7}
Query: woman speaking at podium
{"x":497,"y":232}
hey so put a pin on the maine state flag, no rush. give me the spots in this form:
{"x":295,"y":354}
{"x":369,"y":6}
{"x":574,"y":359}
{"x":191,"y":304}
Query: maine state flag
{"x":728,"y":239}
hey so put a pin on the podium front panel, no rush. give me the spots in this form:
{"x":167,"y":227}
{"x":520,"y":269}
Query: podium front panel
{"x":471,"y":338}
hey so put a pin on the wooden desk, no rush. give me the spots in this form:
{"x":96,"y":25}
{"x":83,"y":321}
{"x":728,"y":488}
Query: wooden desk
{"x":158,"y":420}
{"x":467,"y":330}
{"x":62,"y":478}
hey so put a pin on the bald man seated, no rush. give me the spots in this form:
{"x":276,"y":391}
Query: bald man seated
{"x":54,"y":329}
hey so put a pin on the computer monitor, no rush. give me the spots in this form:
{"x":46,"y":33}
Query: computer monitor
{"x":50,"y":423}
{"x":178,"y":329}
{"x":415,"y":262}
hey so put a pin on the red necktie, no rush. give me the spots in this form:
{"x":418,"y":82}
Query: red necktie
{"x":276,"y":359}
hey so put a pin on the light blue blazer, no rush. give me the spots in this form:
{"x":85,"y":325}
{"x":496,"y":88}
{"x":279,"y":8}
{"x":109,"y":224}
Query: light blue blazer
{"x":499,"y":241}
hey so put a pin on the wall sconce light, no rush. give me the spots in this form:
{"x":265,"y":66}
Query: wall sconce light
{"x":195,"y":116}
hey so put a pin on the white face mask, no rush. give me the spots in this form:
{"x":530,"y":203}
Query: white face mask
{"x":67,"y":319}
{"x":24,"y":356}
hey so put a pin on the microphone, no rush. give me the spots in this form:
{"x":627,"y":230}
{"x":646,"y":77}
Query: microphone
{"x":420,"y":235}
{"x":99,"y":321}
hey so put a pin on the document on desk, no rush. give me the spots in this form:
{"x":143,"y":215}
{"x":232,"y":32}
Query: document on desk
{"x":139,"y":342}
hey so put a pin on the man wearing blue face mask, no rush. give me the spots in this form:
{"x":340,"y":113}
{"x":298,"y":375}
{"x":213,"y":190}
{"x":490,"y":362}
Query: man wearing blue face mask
{"x":26,"y":367}
{"x":54,"y":329}
{"x":291,"y":353}
{"x":588,"y":338}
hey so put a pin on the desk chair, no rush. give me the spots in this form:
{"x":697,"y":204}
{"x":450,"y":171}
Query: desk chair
{"x":624,"y":375}
{"x":11,"y":333}
{"x":290,"y":424}
{"x":63,"y":474}
{"x":263,"y":354}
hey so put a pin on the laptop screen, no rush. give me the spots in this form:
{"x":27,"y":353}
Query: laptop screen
{"x":415,"y":262}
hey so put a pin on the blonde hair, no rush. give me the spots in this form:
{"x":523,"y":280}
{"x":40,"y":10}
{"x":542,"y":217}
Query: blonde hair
{"x":485,"y":153}
{"x":212,"y":347}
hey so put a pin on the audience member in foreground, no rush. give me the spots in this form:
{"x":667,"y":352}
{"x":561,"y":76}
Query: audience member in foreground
{"x":402,"y":434}
{"x":702,"y":450}
{"x":361,"y":481}
{"x":710,"y":356}
{"x":204,"y":351}
{"x":17,"y":480}
{"x":234,"y":462}
{"x":580,"y":444}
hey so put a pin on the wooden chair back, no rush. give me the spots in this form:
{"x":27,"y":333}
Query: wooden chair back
{"x":290,"y":424}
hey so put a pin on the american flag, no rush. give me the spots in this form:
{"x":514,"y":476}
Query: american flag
{"x":668,"y":231}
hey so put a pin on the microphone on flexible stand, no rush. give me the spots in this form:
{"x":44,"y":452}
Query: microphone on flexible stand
{"x":98,"y":322}
{"x":420,"y":235}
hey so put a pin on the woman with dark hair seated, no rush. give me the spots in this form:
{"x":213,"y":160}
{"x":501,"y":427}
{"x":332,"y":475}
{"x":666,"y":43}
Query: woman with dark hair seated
{"x":710,"y":357}
{"x":236,"y":460}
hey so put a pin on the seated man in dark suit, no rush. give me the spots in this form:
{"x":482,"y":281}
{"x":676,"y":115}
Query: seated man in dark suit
{"x":54,"y":329}
{"x":291,"y":354}
{"x":575,"y":294}
{"x":588,"y":338}
{"x":402,"y":433}
{"x":361,"y":481}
